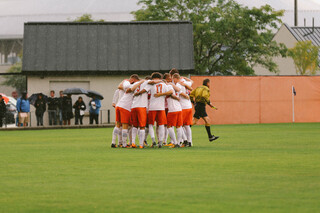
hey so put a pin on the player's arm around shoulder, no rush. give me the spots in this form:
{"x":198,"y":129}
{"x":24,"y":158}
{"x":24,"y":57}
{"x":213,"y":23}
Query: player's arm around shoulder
{"x":177,"y":87}
{"x":137,"y":84}
{"x":174,"y":97}
{"x":187,"y":84}
{"x":185,"y":95}
{"x":167,"y":91}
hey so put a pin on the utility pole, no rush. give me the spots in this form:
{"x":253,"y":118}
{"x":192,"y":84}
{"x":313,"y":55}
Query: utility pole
{"x":295,"y":13}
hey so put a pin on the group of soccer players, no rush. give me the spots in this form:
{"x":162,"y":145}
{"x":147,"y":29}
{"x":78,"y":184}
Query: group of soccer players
{"x":159,"y":99}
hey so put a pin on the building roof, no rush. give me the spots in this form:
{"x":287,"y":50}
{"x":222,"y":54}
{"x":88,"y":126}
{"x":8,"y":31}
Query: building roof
{"x":107,"y":47}
{"x":306,"y":34}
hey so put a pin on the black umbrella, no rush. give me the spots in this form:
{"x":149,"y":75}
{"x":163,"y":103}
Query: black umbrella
{"x":32,"y":99}
{"x":75,"y":91}
{"x":92,"y":93}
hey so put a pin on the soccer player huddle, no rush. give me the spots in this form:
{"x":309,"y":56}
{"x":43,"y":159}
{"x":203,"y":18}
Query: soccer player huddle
{"x":158,"y":99}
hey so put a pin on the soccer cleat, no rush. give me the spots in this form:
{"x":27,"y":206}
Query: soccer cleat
{"x":185,"y":142}
{"x":153,"y":144}
{"x":141,"y":147}
{"x":113,"y":146}
{"x":134,"y":145}
{"x":159,"y":145}
{"x":175,"y":146}
{"x":120,"y":145}
{"x":169,"y":144}
{"x":213,"y":138}
{"x":145,"y":143}
{"x":189,"y":144}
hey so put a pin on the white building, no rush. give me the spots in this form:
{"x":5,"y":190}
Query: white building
{"x":290,"y":36}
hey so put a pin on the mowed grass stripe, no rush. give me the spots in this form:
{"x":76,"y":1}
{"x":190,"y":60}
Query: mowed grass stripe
{"x":251,"y":168}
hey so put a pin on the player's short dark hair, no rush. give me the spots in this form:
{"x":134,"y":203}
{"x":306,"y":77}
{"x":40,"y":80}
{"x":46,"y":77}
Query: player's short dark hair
{"x":156,"y":75}
{"x":52,"y":91}
{"x":166,"y":75}
{"x":135,"y":76}
{"x":173,"y":71}
{"x":176,"y":75}
{"x":206,"y":81}
{"x":148,"y":77}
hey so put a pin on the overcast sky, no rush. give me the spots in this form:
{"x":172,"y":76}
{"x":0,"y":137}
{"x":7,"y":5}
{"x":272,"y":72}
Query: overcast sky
{"x":13,"y":13}
{"x":284,"y":4}
{"x":14,"y":7}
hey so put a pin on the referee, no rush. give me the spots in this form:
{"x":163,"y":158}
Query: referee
{"x":200,"y":97}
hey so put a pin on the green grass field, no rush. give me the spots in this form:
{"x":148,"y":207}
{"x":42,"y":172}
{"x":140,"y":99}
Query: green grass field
{"x":251,"y":168}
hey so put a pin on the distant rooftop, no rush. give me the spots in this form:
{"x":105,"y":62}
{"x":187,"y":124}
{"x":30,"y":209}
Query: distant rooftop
{"x":306,"y":34}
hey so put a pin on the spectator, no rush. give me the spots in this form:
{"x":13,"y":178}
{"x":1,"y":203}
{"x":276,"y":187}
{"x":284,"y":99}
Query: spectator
{"x":3,"y":110}
{"x":40,"y":106}
{"x":23,"y":108}
{"x":67,"y":109}
{"x":95,"y":105}
{"x":52,"y":109}
{"x":79,"y":108}
{"x":59,"y":111}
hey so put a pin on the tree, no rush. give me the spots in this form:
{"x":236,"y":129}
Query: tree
{"x":306,"y":57}
{"x":228,"y":38}
{"x":86,"y":18}
{"x":15,"y":81}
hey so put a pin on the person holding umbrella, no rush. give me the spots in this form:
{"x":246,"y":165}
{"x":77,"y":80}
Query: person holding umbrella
{"x":67,"y":113}
{"x":95,"y":105}
{"x":3,"y":110}
{"x":40,"y":106}
{"x":79,"y":108}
